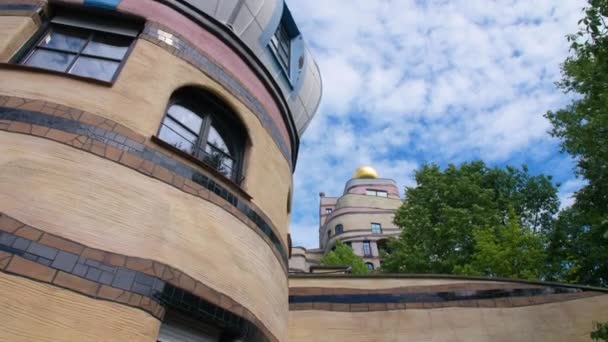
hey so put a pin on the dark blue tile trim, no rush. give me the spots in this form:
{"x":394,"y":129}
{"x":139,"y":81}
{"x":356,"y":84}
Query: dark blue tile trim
{"x":18,"y":7}
{"x":113,"y":139}
{"x":429,"y":297}
{"x":106,"y":4}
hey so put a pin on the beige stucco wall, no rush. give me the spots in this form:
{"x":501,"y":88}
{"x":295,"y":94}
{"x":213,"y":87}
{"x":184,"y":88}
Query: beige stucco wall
{"x":565,"y":321}
{"x":32,"y":311}
{"x":357,"y":221}
{"x":377,"y":283}
{"x":354,"y":200}
{"x":138,"y":100}
{"x":102,"y":204}
{"x":14,"y":32}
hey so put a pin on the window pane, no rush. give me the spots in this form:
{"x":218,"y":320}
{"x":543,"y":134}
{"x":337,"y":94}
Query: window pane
{"x":108,"y":45}
{"x":95,"y":68}
{"x":217,"y":141}
{"x":220,"y":161}
{"x":168,"y":135}
{"x":59,"y":61}
{"x":186,"y":117}
{"x":370,"y":193}
{"x":382,"y":194}
{"x":69,"y":39}
{"x":178,"y":129}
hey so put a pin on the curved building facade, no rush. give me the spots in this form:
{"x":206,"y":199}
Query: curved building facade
{"x":138,"y":143}
{"x":362,"y":218}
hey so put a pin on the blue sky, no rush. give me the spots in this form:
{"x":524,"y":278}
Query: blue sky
{"x":409,"y":82}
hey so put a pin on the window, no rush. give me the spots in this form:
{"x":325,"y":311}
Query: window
{"x":339,"y":229}
{"x":370,"y":266}
{"x":199,"y":125}
{"x":327,"y":211}
{"x":94,"y":48}
{"x":378,"y":193}
{"x":328,"y":233}
{"x":367,"y":249}
{"x":280,"y":43}
{"x":349,"y":244}
{"x":376,"y":228}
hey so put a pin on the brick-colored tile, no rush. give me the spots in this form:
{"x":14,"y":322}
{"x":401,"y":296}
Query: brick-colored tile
{"x":127,"y":133}
{"x":113,"y":153}
{"x":377,"y":307}
{"x":303,"y":306}
{"x":63,"y":244}
{"x":94,"y":254}
{"x":158,"y":269}
{"x":321,"y":306}
{"x":147,"y":167}
{"x":124,"y":297}
{"x":9,"y":224}
{"x":163,"y":174}
{"x":359,"y":307}
{"x":115,"y":259}
{"x":14,"y":102}
{"x":340,"y":307}
{"x":131,"y":160}
{"x":206,"y":293}
{"x":135,"y":299}
{"x":226,"y":302}
{"x":91,"y":119}
{"x":5,"y":258}
{"x":60,"y":136}
{"x":40,"y":131}
{"x":76,"y":283}
{"x":98,"y":148}
{"x":486,"y":303}
{"x":186,"y":282}
{"x":29,"y":233}
{"x":108,"y":292}
{"x":520,"y":301}
{"x":139,"y":264}
{"x":32,"y":105}
{"x":30,"y":269}
{"x":414,"y":305}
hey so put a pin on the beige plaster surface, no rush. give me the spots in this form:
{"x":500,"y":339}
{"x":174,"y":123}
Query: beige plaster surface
{"x":568,"y":321}
{"x":32,"y":311}
{"x":14,"y":32}
{"x":102,"y":204}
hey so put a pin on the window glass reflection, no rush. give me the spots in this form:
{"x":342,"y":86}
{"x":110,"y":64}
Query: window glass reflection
{"x":110,"y":46}
{"x":168,"y":135}
{"x":186,"y":117}
{"x":62,"y":38}
{"x":95,"y":68}
{"x":217,"y":141}
{"x":58,"y":61}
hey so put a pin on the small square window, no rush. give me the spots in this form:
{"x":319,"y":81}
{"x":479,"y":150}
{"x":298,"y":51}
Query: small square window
{"x":327,"y":210}
{"x":377,"y":193}
{"x":376,"y":228}
{"x":367,"y":249}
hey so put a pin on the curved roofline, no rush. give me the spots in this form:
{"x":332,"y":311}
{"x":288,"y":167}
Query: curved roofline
{"x":226,"y":35}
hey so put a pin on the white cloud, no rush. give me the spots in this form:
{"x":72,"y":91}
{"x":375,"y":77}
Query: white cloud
{"x":408,"y":81}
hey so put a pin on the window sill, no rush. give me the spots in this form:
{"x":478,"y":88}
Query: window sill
{"x":229,"y":183}
{"x":28,"y":68}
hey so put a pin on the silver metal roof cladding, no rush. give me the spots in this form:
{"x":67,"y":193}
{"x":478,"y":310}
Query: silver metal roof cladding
{"x":255,"y":22}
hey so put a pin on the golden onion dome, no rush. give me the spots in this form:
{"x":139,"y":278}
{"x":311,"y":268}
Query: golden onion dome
{"x":365,"y":172}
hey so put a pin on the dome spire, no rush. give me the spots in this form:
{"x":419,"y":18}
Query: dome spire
{"x":365,"y":172}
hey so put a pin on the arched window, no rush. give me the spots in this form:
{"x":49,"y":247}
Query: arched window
{"x":339,"y":229}
{"x":370,"y":266}
{"x":199,"y":124}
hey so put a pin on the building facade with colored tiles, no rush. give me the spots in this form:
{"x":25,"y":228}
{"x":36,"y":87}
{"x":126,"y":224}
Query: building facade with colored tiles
{"x":147,"y":149}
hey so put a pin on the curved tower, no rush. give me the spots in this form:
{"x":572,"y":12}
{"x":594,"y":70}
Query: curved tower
{"x":362,"y":218}
{"x":146,"y":157}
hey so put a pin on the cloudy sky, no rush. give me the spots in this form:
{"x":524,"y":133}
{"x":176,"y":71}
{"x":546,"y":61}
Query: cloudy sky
{"x":408,"y":82}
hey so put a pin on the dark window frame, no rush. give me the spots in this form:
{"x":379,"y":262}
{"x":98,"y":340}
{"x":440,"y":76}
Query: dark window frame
{"x":370,"y":266}
{"x":214,"y":113}
{"x":328,"y":211}
{"x":376,"y":193}
{"x":339,"y":229}
{"x":367,"y":253}
{"x":280,"y":43}
{"x":23,"y":55}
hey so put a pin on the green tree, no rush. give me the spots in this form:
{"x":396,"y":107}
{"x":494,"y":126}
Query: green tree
{"x":601,"y":332}
{"x":582,"y":127}
{"x":343,"y":255}
{"x":506,"y":250}
{"x":442,"y":213}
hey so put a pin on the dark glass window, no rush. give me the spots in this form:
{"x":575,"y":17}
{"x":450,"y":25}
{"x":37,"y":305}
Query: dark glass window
{"x":328,"y":210}
{"x":281,"y":45}
{"x":339,"y":229}
{"x":80,"y":51}
{"x":367,"y":249}
{"x":349,"y":244}
{"x":201,"y":126}
{"x":370,"y":266}
{"x":378,"y":193}
{"x":376,"y":228}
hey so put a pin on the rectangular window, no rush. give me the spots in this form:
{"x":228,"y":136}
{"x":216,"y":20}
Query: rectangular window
{"x":376,"y":228}
{"x":327,"y":210}
{"x":94,"y":48}
{"x":377,"y":193}
{"x":367,"y":249}
{"x":280,"y":44}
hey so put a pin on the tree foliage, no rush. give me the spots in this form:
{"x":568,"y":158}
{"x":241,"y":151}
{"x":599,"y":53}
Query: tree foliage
{"x":600,"y":332}
{"x":457,"y":219}
{"x":582,"y":127}
{"x":343,"y":255}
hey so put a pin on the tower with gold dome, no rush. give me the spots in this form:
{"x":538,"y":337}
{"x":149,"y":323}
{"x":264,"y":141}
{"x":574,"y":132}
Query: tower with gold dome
{"x":362,"y":218}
